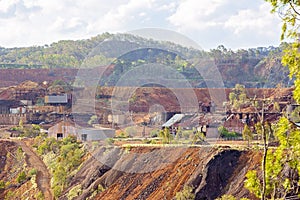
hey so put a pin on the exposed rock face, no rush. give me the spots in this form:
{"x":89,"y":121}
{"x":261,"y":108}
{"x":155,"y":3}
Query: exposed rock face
{"x":159,"y":173}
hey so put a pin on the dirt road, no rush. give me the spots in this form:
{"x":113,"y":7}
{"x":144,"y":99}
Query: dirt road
{"x":43,"y":176}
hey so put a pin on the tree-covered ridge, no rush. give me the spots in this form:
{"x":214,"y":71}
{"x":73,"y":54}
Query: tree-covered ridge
{"x":65,"y":53}
{"x":72,"y":53}
{"x":255,"y":67}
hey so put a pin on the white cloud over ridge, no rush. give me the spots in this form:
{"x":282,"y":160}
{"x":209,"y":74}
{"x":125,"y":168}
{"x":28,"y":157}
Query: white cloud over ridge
{"x":208,"y":22}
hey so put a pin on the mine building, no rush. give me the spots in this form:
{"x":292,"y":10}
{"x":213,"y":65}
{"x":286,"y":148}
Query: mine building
{"x":7,"y":105}
{"x":57,"y":99}
{"x":66,"y":128}
{"x":62,"y":129}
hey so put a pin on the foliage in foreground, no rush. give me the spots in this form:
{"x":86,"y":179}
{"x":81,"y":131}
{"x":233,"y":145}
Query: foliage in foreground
{"x":282,"y":166}
{"x":61,"y":157}
{"x":185,"y":194}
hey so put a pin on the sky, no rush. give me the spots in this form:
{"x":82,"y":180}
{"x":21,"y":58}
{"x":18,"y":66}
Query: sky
{"x":232,"y":23}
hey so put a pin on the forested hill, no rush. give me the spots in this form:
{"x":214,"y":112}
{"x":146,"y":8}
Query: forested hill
{"x":256,"y":67}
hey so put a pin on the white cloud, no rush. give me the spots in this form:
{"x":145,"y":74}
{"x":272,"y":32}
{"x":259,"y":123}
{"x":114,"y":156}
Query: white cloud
{"x":166,"y":7}
{"x":260,"y":21}
{"x":213,"y":22}
{"x":195,"y":14}
{"x":117,"y":18}
{"x":38,"y":22}
{"x":6,"y":4}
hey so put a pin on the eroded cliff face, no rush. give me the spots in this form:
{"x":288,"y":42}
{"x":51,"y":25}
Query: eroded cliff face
{"x":159,"y":173}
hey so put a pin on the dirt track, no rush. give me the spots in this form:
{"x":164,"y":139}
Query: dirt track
{"x":43,"y":176}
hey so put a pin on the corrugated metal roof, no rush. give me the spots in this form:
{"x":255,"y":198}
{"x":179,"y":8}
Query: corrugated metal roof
{"x":57,"y":99}
{"x":176,"y":118}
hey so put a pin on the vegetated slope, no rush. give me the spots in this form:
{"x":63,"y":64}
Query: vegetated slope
{"x":19,"y":179}
{"x":257,"y":67}
{"x":34,"y":161}
{"x":159,"y":173}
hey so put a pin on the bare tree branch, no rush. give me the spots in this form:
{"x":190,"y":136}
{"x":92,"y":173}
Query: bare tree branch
{"x":294,"y":9}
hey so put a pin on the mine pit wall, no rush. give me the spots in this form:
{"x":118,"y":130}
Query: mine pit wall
{"x":211,"y":171}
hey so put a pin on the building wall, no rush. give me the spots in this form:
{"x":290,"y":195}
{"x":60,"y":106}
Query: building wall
{"x":234,"y":124}
{"x":65,"y":128}
{"x":56,"y":99}
{"x":96,"y":134}
{"x":212,"y":133}
{"x":13,"y":119}
{"x":44,"y":109}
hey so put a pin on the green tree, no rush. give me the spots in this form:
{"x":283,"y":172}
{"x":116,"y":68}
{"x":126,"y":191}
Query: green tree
{"x":247,"y":134}
{"x":289,"y":10}
{"x":238,"y":96}
{"x":166,"y":135}
{"x":286,"y":156}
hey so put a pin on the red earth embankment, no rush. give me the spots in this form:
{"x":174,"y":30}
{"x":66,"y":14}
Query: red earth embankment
{"x":161,"y":172}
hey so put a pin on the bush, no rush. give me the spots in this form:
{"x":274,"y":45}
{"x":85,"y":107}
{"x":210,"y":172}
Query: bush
{"x":109,"y":141}
{"x":43,"y":148}
{"x":32,"y":172}
{"x":9,"y":195}
{"x":224,"y":133}
{"x":154,"y":133}
{"x":131,"y":131}
{"x":39,"y":196}
{"x":153,"y":142}
{"x":187,"y":134}
{"x":146,"y":141}
{"x":123,"y":135}
{"x":2,"y":184}
{"x":57,"y":191}
{"x":69,"y":140}
{"x":21,"y":177}
{"x":185,"y":194}
{"x":74,"y":192}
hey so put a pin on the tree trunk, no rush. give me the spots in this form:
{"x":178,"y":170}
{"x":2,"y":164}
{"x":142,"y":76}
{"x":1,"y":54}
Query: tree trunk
{"x":264,"y":135}
{"x":263,"y":194}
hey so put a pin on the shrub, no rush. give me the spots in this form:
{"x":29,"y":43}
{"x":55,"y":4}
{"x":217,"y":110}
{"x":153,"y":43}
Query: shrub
{"x":100,"y":188}
{"x":2,"y":184}
{"x":9,"y":195}
{"x":43,"y":148}
{"x":21,"y":177}
{"x":224,"y":133}
{"x":109,"y":141}
{"x":74,"y":192}
{"x":32,"y":172}
{"x":153,"y":142}
{"x":57,"y":191}
{"x":146,"y":141}
{"x":131,"y":131}
{"x":39,"y":195}
{"x":187,"y":134}
{"x":185,"y":194}
{"x":154,"y":133}
{"x":69,"y":140}
{"x":123,"y":135}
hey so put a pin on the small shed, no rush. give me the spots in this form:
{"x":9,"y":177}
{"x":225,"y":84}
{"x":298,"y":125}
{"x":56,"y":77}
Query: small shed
{"x":57,"y":99}
{"x":234,"y":123}
{"x":62,"y":129}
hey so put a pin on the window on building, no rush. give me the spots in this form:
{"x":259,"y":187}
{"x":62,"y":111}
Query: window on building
{"x":84,"y":137}
{"x":60,"y":135}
